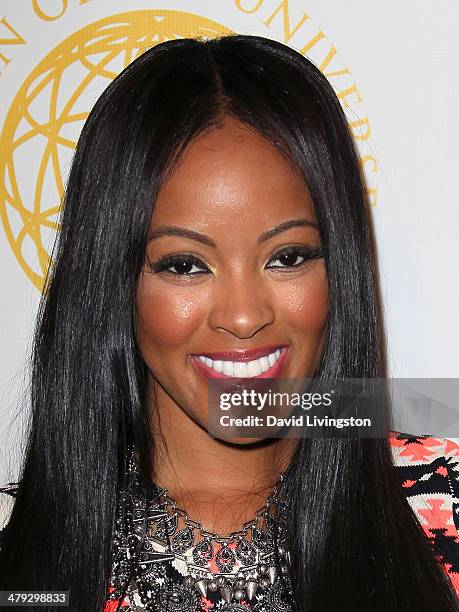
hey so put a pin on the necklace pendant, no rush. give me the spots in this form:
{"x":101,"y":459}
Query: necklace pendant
{"x":272,"y":573}
{"x":203,"y":552}
{"x":183,"y":540}
{"x":245,"y":552}
{"x":225,"y":559}
{"x":227,"y":593}
{"x":201,"y":586}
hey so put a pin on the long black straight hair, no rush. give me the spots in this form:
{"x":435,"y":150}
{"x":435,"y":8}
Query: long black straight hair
{"x":355,"y":542}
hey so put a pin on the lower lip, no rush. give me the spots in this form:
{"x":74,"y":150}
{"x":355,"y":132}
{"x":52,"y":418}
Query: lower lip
{"x":273,"y":372}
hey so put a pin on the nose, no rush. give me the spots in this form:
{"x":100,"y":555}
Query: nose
{"x":241,"y":308}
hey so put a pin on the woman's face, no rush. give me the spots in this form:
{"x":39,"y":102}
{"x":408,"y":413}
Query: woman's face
{"x":229,"y":269}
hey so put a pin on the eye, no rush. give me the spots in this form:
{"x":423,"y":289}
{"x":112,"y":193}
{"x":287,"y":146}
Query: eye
{"x":180,"y":265}
{"x":294,"y":257}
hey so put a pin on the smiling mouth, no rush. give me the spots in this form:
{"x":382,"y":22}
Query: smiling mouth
{"x":263,"y":367}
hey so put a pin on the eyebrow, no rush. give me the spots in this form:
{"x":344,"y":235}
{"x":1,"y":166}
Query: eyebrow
{"x":181,"y":232}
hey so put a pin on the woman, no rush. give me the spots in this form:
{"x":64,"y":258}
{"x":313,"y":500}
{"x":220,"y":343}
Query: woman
{"x":215,"y":224}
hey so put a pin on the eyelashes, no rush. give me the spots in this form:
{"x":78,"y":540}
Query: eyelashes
{"x":184,"y":264}
{"x":289,"y":256}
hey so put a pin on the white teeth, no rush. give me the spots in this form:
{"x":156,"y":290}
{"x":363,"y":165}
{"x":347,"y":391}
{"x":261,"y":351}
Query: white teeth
{"x":243,"y":369}
{"x":240,"y":369}
{"x":228,"y":368}
{"x":254,"y":368}
{"x":216,"y":365}
{"x":264,"y":364}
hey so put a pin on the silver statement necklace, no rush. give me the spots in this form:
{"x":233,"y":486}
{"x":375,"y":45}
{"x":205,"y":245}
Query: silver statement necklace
{"x":237,"y":567}
{"x":164,"y":561}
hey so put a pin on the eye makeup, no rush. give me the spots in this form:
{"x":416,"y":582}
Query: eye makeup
{"x":186,"y":264}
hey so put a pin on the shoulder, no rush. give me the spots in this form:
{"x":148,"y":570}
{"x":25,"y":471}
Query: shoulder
{"x":427,"y":468}
{"x":426,"y":464}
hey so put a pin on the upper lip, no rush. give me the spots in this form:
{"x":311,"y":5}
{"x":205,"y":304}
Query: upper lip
{"x":241,"y":355}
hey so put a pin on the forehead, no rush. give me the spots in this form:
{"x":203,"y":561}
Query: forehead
{"x":232,"y":170}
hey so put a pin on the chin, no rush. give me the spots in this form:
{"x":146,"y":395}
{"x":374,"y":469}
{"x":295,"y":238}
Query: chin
{"x":237,"y":441}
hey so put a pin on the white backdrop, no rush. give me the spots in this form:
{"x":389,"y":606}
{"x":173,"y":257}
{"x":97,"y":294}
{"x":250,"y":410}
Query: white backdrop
{"x":398,"y":63}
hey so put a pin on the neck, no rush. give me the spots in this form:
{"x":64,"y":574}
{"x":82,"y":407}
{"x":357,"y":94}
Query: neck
{"x":219,"y":484}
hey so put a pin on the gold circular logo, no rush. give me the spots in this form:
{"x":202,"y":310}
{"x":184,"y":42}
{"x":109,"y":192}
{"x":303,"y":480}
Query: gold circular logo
{"x":48,"y":112}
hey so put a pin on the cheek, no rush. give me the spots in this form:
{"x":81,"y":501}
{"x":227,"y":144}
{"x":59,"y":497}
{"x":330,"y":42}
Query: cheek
{"x":167,"y":316}
{"x":304,"y":304}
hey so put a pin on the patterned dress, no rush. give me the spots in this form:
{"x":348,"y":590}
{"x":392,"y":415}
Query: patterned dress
{"x":428,"y":472}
